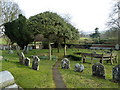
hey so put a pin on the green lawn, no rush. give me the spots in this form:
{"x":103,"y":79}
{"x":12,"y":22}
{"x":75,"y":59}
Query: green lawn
{"x":2,"y":41}
{"x":28,"y":78}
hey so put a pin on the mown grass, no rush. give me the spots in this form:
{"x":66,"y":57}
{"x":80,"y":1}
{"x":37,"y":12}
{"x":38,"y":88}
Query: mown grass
{"x":85,"y":79}
{"x":28,"y":78}
{"x":25,"y":76}
{"x":2,"y":41}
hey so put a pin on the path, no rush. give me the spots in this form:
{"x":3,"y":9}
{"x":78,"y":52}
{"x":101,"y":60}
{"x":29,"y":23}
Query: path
{"x":59,"y":83}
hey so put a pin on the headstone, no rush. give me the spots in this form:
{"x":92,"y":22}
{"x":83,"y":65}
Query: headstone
{"x":22,"y":58}
{"x":116,"y":73}
{"x":10,"y":52}
{"x":6,"y":79}
{"x":65,"y":63}
{"x":35,"y":63}
{"x":27,"y":61}
{"x":1,"y":58}
{"x":117,"y":47}
{"x":98,"y":70}
{"x":78,"y":67}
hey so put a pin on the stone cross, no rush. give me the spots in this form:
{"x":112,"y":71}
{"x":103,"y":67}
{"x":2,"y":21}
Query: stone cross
{"x":78,"y":67}
{"x":35,"y":63}
{"x":116,"y":73}
{"x":98,"y":70}
{"x":65,"y":63}
{"x":27,"y":61}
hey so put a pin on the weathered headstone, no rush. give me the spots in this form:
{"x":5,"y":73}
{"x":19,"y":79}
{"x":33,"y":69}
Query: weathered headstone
{"x":65,"y":63}
{"x":98,"y":70}
{"x":117,"y":46}
{"x":116,"y":73}
{"x":21,"y":58}
{"x":79,"y":67}
{"x":1,"y":58}
{"x":6,"y":79}
{"x":35,"y":63}
{"x":27,"y":61}
{"x":10,"y":52}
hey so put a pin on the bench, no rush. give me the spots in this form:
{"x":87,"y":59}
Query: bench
{"x":103,"y":57}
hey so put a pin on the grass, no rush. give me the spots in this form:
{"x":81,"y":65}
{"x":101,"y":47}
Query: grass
{"x":85,"y":79}
{"x":28,"y":78}
{"x":2,"y":41}
{"x":25,"y":76}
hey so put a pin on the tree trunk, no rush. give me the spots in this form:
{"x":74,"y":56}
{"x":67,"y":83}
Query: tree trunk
{"x":65,"y":47}
{"x":50,"y":51}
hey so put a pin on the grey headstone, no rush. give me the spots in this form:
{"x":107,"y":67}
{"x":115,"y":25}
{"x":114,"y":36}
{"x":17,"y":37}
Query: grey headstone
{"x":65,"y":63}
{"x":79,"y":67}
{"x":21,"y":58}
{"x":27,"y":61}
{"x":116,"y":73}
{"x":98,"y":70}
{"x":15,"y":86}
{"x":1,"y":58}
{"x":10,"y":52}
{"x":117,"y":46}
{"x":35,"y":63}
{"x":6,"y":79}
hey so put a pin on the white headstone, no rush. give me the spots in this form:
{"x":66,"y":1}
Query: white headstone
{"x":117,"y":46}
{"x":6,"y":79}
{"x":78,"y":67}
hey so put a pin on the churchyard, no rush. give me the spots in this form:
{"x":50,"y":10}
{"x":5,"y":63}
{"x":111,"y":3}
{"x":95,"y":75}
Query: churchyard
{"x":27,"y":77}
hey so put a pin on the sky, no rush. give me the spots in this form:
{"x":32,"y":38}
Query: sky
{"x":85,"y":15}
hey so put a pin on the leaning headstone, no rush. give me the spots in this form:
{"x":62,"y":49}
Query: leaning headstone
{"x":6,"y":79}
{"x":98,"y":70}
{"x":65,"y":63}
{"x":27,"y":61}
{"x":116,"y":73}
{"x":21,"y":58}
{"x":79,"y":67}
{"x":35,"y":63}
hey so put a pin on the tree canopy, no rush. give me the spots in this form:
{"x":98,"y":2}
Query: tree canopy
{"x":18,"y":31}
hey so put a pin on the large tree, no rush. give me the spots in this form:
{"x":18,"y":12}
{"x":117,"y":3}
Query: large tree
{"x":18,"y":31}
{"x":9,"y":11}
{"x":51,"y":25}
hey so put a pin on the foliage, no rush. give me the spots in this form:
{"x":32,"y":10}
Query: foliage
{"x":53,"y":27}
{"x":96,"y":34}
{"x":18,"y":32}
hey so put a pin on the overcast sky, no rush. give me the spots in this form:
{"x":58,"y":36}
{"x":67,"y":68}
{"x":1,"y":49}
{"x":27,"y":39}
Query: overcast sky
{"x":85,"y":15}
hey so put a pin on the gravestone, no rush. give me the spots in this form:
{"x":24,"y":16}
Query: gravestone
{"x":98,"y":70}
{"x":35,"y":63}
{"x":116,"y":73}
{"x":117,"y":47}
{"x":21,"y":58}
{"x":10,"y":52}
{"x":27,"y":61}
{"x":65,"y":63}
{"x":7,"y":80}
{"x":79,"y":67}
{"x":1,"y":58}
